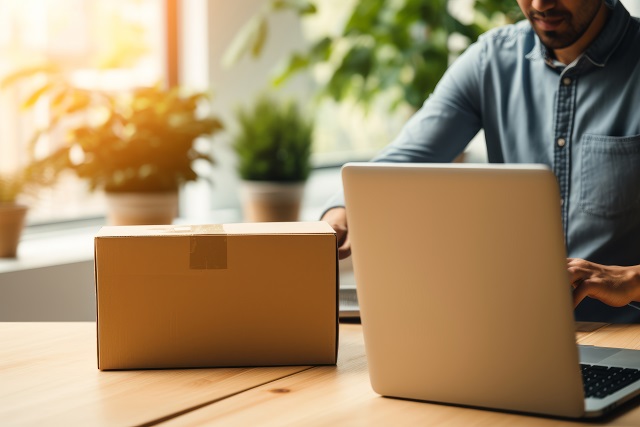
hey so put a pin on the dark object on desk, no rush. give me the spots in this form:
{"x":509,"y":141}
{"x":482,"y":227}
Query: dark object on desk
{"x":592,"y":310}
{"x":349,"y":308}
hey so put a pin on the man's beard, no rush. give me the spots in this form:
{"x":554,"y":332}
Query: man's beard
{"x":576,"y":25}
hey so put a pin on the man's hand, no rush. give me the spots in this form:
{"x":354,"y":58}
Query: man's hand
{"x":613,"y":285}
{"x":337,"y":219}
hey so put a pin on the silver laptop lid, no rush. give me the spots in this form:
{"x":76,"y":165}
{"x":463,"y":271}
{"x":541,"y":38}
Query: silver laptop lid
{"x":462,"y":284}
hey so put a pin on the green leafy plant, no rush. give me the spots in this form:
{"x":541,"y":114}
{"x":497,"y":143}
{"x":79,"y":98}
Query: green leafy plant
{"x":141,"y":140}
{"x":145,"y":142}
{"x":398,"y":49}
{"x":273,"y":142}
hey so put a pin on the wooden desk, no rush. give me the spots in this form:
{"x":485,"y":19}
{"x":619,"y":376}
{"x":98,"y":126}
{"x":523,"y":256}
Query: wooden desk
{"x":48,"y":376}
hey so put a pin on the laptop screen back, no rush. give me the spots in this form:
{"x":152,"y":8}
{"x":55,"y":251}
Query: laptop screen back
{"x":462,"y":284}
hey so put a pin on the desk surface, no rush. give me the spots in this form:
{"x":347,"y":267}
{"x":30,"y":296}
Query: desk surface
{"x":48,"y":376}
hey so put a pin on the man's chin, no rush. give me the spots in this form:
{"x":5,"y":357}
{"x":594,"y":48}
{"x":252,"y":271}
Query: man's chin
{"x":553,"y":40}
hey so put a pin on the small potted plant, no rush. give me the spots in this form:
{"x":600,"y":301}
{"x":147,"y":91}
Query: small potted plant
{"x":273,"y":146}
{"x":12,"y":212}
{"x":139,"y":147}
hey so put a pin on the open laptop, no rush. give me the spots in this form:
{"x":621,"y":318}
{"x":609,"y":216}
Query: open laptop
{"x":463,"y":290}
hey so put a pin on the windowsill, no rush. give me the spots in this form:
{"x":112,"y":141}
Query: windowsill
{"x":59,"y":247}
{"x":52,"y":248}
{"x":53,"y":279}
{"x":39,"y":249}
{"x":76,"y":244}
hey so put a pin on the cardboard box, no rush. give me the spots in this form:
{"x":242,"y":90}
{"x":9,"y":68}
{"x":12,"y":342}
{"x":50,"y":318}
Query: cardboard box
{"x":254,"y":294}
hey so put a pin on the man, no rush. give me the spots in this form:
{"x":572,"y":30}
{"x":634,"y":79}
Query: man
{"x":561,"y":88}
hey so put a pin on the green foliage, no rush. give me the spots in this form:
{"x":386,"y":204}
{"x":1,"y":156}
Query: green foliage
{"x":253,"y":34}
{"x":273,"y":142}
{"x":146,"y":143}
{"x":493,"y":8}
{"x":398,"y":48}
{"x":138,"y":141}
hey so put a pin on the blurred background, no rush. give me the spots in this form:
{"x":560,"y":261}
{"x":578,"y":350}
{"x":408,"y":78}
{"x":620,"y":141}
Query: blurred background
{"x":360,"y":89}
{"x":80,"y":77}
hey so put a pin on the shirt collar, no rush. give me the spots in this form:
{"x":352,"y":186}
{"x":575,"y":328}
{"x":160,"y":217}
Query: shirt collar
{"x":603,"y":46}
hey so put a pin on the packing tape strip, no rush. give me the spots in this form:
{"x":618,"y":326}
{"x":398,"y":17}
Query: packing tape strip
{"x":208,"y":250}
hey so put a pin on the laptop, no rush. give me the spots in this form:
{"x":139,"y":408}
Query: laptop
{"x":463,"y":291}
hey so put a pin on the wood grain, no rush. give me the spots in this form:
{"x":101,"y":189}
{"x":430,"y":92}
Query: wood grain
{"x":342,"y":396}
{"x":622,"y":336}
{"x":49,"y":376}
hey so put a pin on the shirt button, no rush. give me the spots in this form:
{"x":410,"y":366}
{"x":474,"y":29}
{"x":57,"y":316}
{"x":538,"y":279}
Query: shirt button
{"x":561,"y":142}
{"x":566,"y":81}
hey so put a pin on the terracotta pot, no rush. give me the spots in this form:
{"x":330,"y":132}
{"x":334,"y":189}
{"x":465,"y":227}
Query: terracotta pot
{"x":12,"y":217}
{"x":266,"y":201}
{"x":142,"y":208}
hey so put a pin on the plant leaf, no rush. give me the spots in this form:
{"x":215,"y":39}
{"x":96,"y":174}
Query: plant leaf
{"x":301,"y":7}
{"x":13,"y":78}
{"x":37,"y":94}
{"x":260,"y":37}
{"x":248,"y":40}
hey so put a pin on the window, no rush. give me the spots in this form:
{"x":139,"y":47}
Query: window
{"x":102,"y":44}
{"x":123,"y":43}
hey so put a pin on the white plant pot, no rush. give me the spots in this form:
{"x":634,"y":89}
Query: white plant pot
{"x":266,"y":201}
{"x":142,"y":208}
{"x":12,"y":217}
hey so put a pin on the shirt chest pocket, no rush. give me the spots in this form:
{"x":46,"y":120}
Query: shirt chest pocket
{"x":610,"y":175}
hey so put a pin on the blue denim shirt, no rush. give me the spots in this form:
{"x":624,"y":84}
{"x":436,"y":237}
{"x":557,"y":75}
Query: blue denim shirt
{"x":582,"y":120}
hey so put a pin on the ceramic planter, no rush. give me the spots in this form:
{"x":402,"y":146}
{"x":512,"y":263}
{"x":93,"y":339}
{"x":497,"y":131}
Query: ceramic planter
{"x":12,"y":217}
{"x":266,"y":201}
{"x":142,"y":208}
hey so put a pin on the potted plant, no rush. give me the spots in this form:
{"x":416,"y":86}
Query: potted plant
{"x":12,"y":212}
{"x":139,"y":147}
{"x":273,"y":145}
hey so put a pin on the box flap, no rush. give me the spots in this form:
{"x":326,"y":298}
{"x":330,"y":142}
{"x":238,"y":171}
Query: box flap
{"x":255,"y":228}
{"x":311,"y":227}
